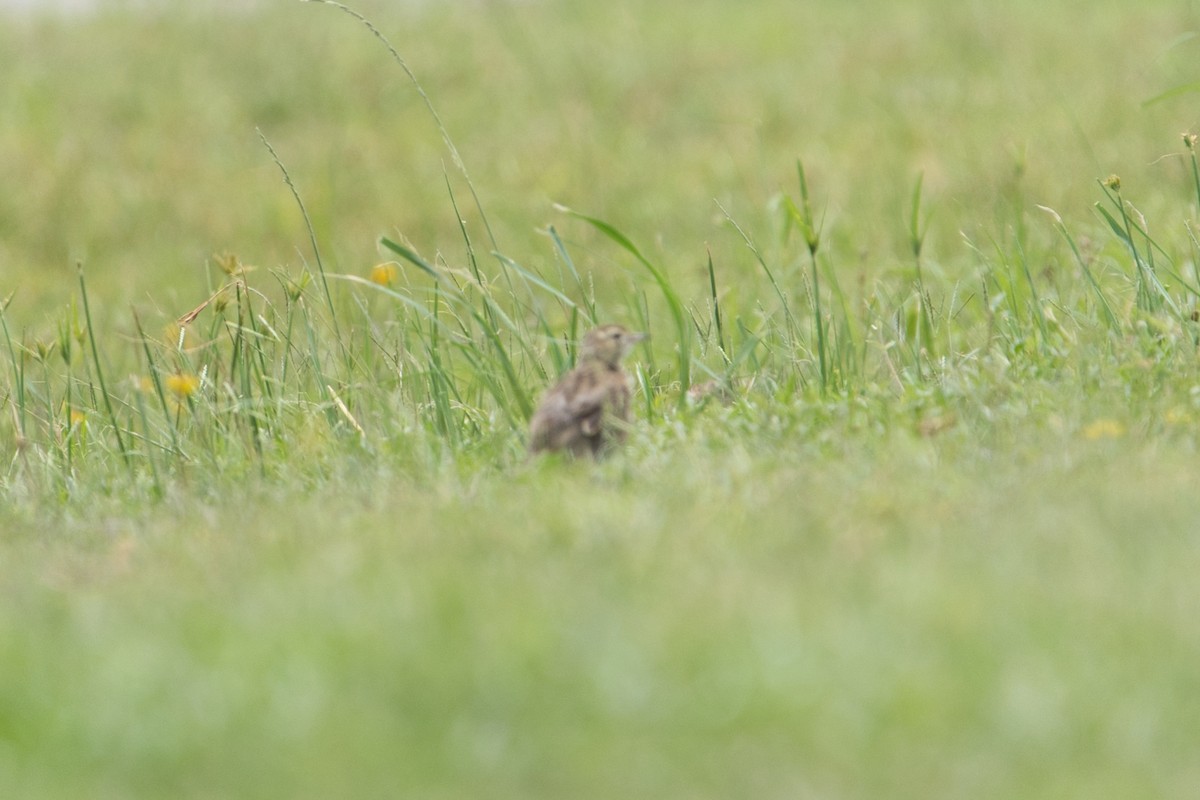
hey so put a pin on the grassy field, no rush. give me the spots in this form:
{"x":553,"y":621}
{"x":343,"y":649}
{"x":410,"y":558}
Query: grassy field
{"x":275,"y":316}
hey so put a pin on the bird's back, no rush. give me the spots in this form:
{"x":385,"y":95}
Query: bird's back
{"x":583,"y":414}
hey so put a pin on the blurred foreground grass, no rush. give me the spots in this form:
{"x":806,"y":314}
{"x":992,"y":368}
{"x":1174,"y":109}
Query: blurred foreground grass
{"x":940,"y":545}
{"x":785,"y":627}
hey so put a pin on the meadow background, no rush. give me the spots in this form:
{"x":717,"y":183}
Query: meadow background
{"x":940,"y":258}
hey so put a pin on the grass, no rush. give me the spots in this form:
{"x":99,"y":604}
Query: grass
{"x":268,"y":525}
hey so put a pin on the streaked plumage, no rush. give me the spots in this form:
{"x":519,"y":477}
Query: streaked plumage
{"x":587,"y":412}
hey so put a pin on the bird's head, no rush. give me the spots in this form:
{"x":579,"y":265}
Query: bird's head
{"x":608,"y":344}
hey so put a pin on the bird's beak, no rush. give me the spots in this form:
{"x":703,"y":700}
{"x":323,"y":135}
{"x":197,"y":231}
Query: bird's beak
{"x":638,"y":337}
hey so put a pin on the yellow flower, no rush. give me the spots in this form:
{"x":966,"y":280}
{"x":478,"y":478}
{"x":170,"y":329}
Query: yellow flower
{"x":384,"y":274}
{"x":1104,"y":429}
{"x":182,"y":384}
{"x":78,"y":419}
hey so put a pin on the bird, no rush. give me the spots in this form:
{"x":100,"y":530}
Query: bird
{"x":587,"y":412}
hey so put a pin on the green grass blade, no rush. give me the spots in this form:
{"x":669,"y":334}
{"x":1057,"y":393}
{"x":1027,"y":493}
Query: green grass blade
{"x":716,"y":306}
{"x":537,"y":281}
{"x":91,"y":333}
{"x":18,"y":379}
{"x":411,"y":257}
{"x":586,"y":296}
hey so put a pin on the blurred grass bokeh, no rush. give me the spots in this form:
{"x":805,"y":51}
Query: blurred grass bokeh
{"x":940,"y":544}
{"x":132,"y":136}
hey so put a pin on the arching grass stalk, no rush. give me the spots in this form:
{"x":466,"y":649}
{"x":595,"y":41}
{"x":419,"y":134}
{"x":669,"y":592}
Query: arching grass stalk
{"x":678,"y":316}
{"x":454,"y":155}
{"x":312,"y":238}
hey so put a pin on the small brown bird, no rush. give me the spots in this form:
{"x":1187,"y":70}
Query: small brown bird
{"x":587,"y":411}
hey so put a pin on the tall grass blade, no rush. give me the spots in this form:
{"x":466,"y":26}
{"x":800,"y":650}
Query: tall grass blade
{"x":156,"y":382}
{"x":91,"y":334}
{"x":510,"y":373}
{"x":916,"y":231}
{"x":156,"y":480}
{"x":1190,"y":141}
{"x":1173,"y":92}
{"x":803,"y":216}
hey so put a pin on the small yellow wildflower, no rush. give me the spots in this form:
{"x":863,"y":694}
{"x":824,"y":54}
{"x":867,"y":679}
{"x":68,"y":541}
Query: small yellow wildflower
{"x":384,"y":274}
{"x":182,"y":384}
{"x":1104,"y":429}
